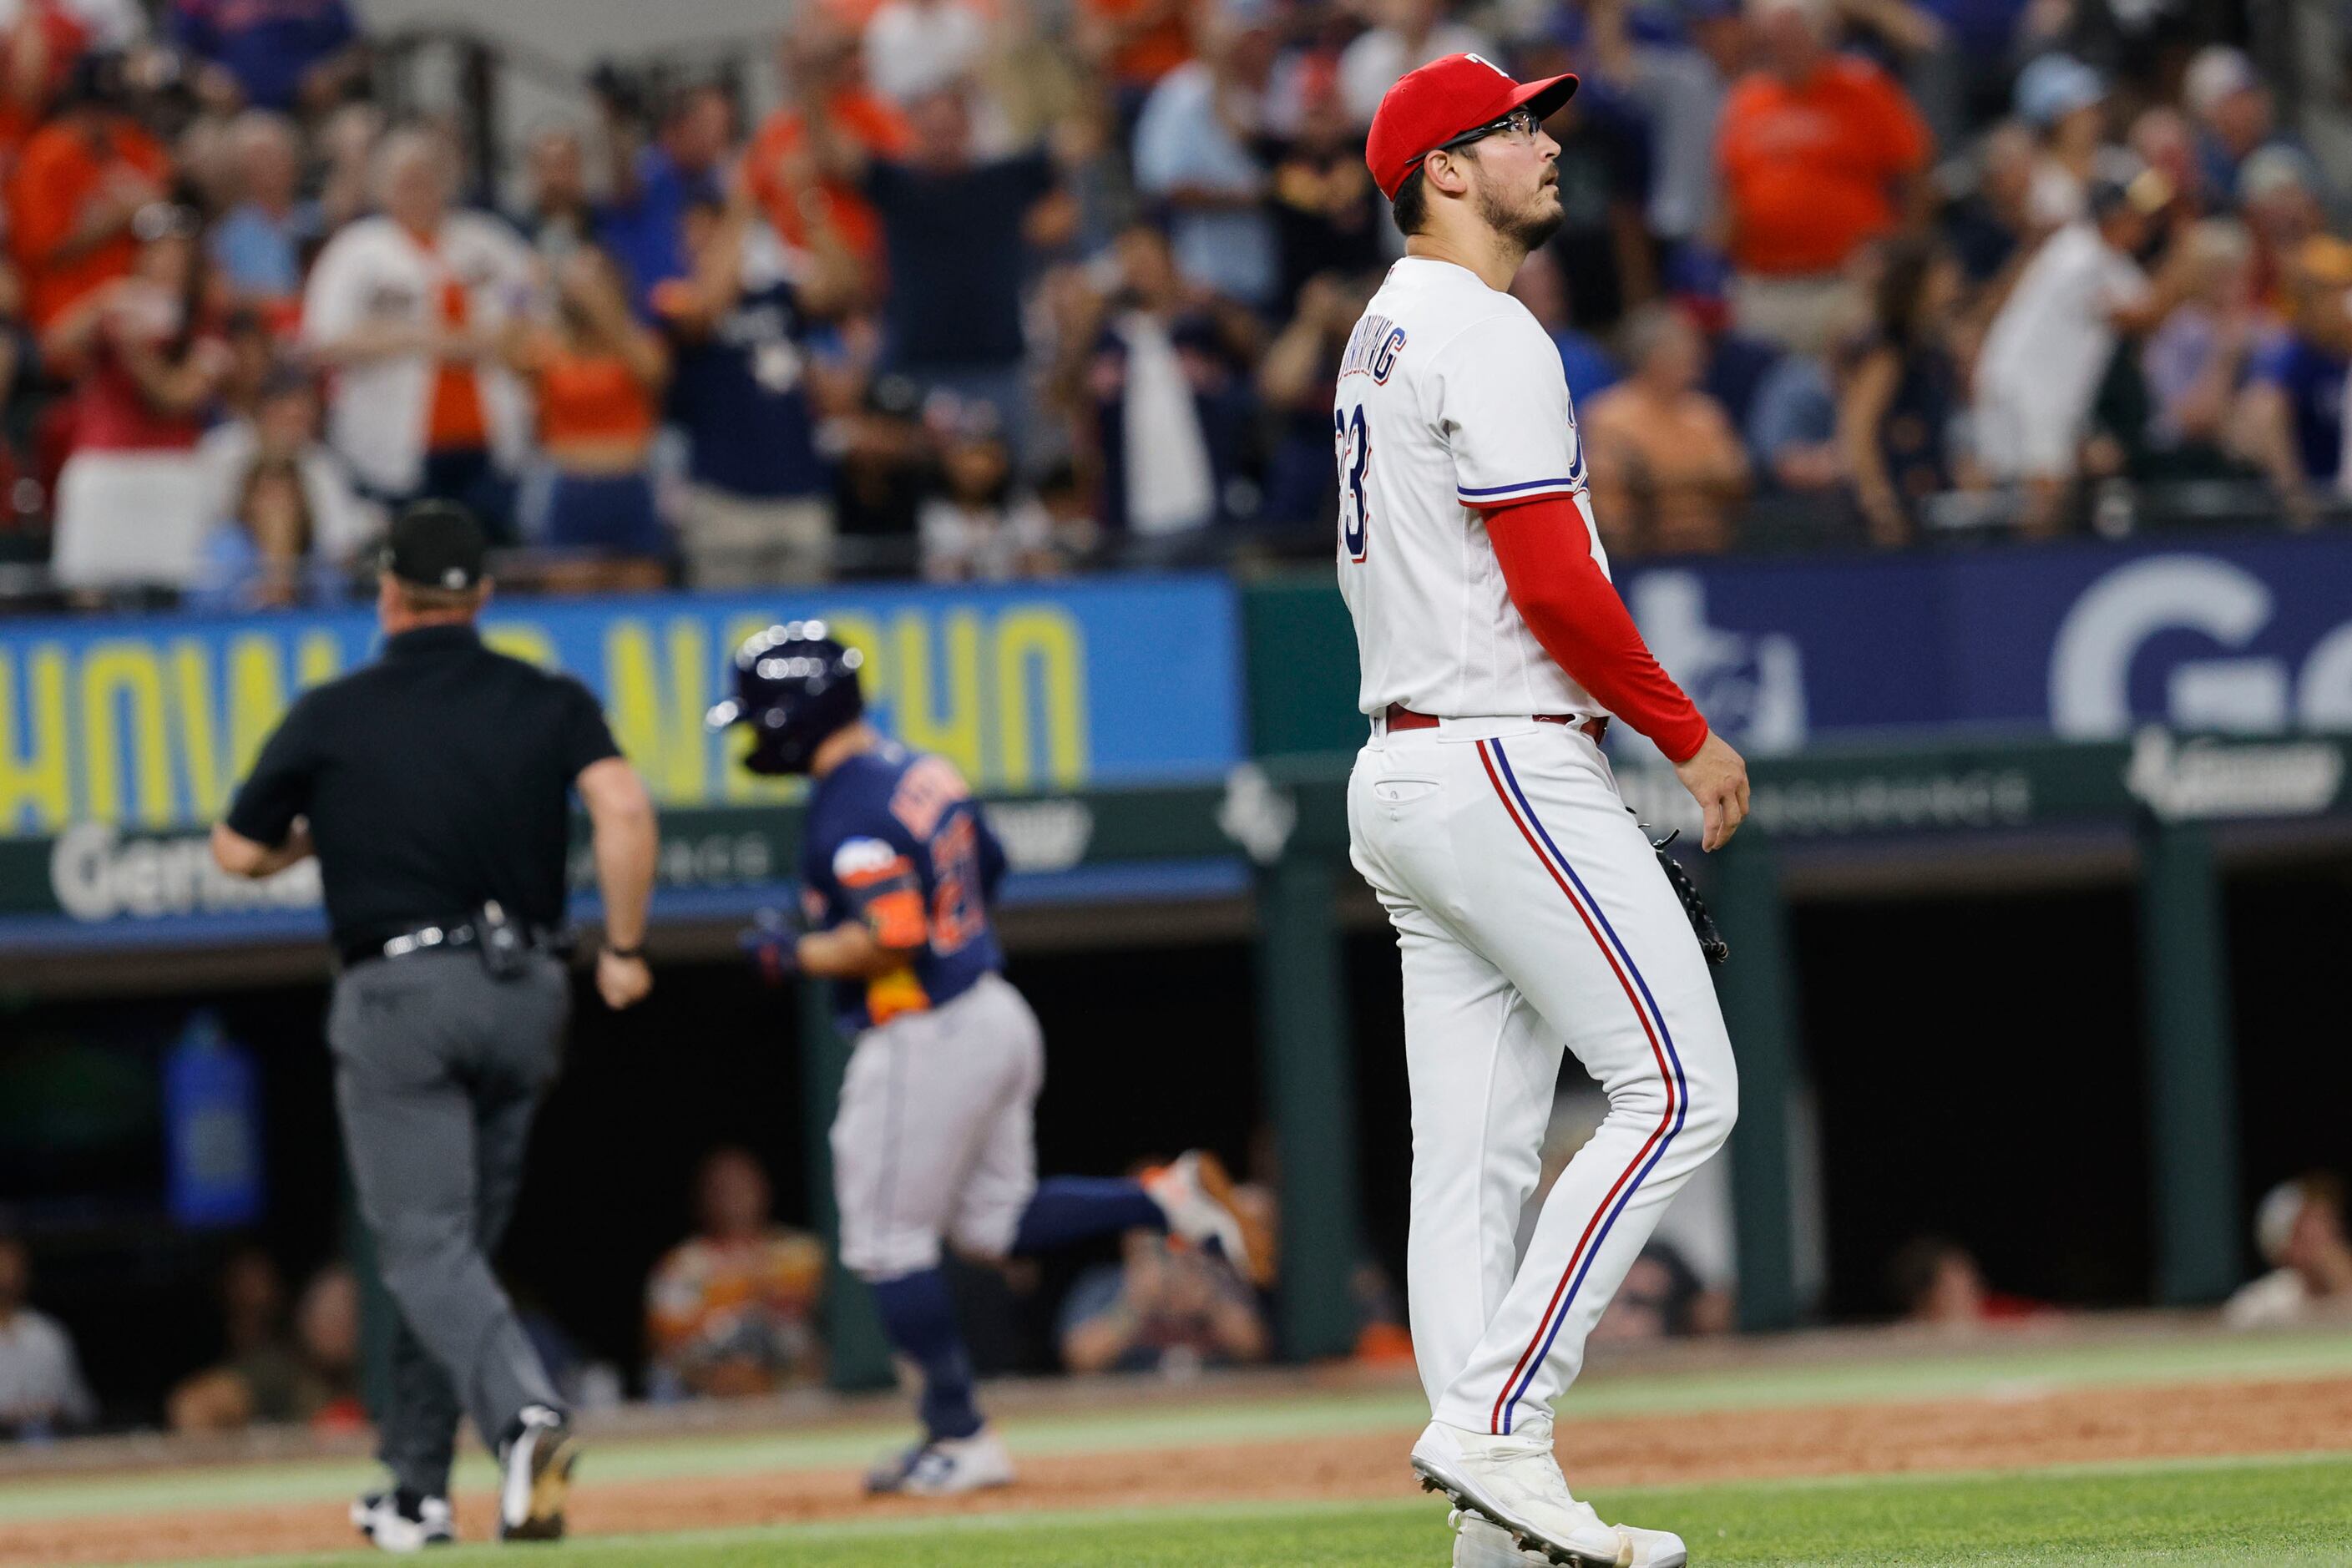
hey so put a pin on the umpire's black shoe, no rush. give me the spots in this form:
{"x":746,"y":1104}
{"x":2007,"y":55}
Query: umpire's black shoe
{"x":535,"y":1467}
{"x":404,"y":1520}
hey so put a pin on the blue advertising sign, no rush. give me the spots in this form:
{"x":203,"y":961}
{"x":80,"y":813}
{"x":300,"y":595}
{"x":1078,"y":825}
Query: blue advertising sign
{"x":149,"y":722}
{"x":2089,"y":642}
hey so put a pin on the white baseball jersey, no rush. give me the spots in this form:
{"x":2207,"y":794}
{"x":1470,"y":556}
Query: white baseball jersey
{"x":1449,"y":396}
{"x":1530,"y":913}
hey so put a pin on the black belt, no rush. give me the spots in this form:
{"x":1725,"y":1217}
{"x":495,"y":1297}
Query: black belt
{"x":462,"y":936}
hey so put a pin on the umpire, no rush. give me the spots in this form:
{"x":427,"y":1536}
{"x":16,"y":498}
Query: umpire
{"x":435,"y":786}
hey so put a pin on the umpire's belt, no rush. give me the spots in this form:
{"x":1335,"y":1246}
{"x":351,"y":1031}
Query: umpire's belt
{"x":1400,"y":717}
{"x":462,"y":936}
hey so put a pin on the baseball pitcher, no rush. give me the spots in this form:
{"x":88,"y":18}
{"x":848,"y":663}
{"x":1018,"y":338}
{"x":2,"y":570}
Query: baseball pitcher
{"x":1531,"y":912}
{"x":934,"y":1139}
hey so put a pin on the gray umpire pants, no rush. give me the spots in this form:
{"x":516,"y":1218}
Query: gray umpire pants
{"x":438,"y":1071}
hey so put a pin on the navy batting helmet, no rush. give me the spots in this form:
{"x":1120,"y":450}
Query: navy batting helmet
{"x":793,"y":686}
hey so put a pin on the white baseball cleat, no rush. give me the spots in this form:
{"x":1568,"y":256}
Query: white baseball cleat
{"x":1480,"y":1544}
{"x":1197,"y":1196}
{"x":1516,"y":1483}
{"x":944,"y":1467}
{"x":395,"y":1524}
{"x":1649,"y":1548}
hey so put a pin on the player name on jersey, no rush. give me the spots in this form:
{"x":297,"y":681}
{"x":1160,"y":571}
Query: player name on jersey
{"x":1372,"y":349}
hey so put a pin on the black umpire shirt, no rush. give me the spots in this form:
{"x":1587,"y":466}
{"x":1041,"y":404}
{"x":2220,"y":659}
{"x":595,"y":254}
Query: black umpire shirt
{"x":434,"y":780}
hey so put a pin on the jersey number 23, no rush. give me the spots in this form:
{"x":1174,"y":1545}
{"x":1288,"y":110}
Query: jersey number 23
{"x":1353,"y":439}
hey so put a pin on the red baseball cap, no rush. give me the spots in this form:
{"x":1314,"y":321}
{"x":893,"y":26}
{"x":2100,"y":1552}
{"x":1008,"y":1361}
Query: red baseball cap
{"x":1430,"y":107}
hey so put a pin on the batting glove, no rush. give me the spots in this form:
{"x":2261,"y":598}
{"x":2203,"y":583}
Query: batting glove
{"x":772,"y":943}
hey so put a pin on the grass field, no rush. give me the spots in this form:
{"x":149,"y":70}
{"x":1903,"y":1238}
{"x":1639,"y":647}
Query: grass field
{"x":2275,"y":1513}
{"x":2275,"y":1510}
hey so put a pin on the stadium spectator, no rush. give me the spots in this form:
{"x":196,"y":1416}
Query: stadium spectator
{"x":1542,"y":286}
{"x":597,"y":375}
{"x":1327,"y":215}
{"x":1602,"y":249}
{"x":1172,"y":410}
{"x":1736,"y":364}
{"x":558,"y":216}
{"x":1962,"y":80}
{"x":732,"y":1309}
{"x":1901,"y":396}
{"x":1988,"y":226}
{"x":643,"y":224}
{"x":881,"y":474}
{"x":282,"y":55}
{"x":81,"y":181}
{"x":954,"y":236}
{"x":204,"y":173}
{"x":149,"y":363}
{"x":406,"y":308}
{"x":744,"y":391}
{"x":280,"y":422}
{"x":1159,"y":1310}
{"x":1821,"y":152}
{"x":2278,"y":197}
{"x":345,"y":145}
{"x":41,"y":47}
{"x":100,"y":26}
{"x":1383,"y":1336}
{"x":914,"y":48}
{"x":1791,"y":431}
{"x":1033,"y":86}
{"x":2048,"y":350}
{"x":1667,"y":463}
{"x":1295,"y":380}
{"x":1661,"y":1299}
{"x":2299,"y":1231}
{"x":1193,"y":155}
{"x":2289,"y":418}
{"x":264,"y":554}
{"x":41,"y":1387}
{"x":1680,"y":81}
{"x":980,"y":523}
{"x":287,"y":524}
{"x":1405,"y":36}
{"x":260,"y":1374}
{"x":259,"y":243}
{"x":2065,"y":104}
{"x":1137,"y":42}
{"x":270,"y":1373}
{"x":2160,"y":137}
{"x":817,"y":61}
{"x":2233,"y":113}
{"x":2195,"y":361}
{"x":1937,"y":1282}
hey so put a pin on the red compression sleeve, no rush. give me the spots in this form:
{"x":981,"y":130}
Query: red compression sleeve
{"x":1573,"y":609}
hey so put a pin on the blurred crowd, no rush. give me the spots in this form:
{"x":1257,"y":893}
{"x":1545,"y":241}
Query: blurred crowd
{"x":984,"y":288}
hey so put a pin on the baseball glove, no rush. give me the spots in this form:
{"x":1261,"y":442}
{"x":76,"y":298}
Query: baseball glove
{"x":1710,"y":941}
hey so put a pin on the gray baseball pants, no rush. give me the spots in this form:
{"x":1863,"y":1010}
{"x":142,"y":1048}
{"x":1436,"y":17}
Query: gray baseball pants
{"x":438,"y":1071}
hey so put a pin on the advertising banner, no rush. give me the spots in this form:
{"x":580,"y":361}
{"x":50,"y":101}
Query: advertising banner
{"x":2240,"y":635}
{"x":147,"y":723}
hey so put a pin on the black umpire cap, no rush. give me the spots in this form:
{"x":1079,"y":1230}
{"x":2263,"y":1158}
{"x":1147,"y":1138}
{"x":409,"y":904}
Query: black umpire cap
{"x":435,"y":544}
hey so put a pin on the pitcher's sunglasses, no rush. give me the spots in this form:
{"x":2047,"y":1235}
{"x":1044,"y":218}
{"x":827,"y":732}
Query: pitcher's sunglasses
{"x":1521,"y":123}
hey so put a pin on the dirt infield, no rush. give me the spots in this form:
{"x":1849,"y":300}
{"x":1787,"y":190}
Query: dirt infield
{"x":2023,"y":1429}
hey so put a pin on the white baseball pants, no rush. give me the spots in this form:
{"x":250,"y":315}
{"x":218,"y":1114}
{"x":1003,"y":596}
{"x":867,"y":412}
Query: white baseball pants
{"x":1532,"y":916}
{"x":934,"y":1139}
